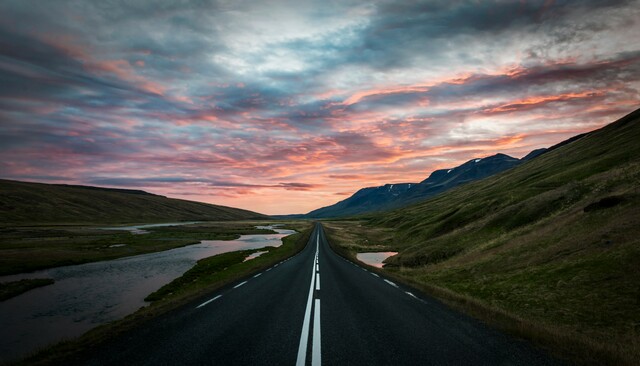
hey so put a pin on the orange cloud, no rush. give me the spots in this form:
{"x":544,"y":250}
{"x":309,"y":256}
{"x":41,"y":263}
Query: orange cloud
{"x":423,"y":87}
{"x":347,"y":176}
{"x":538,"y":101}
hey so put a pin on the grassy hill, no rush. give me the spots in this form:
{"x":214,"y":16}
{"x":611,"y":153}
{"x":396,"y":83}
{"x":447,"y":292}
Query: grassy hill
{"x":37,"y":203}
{"x":552,"y":245}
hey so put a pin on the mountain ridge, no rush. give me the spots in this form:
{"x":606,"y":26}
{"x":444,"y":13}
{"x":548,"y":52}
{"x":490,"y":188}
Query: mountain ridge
{"x":380,"y":198}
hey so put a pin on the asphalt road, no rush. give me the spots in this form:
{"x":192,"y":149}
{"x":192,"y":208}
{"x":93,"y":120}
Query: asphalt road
{"x":316,"y":308}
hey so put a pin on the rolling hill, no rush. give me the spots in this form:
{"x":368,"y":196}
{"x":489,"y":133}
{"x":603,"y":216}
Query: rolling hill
{"x":37,"y":203}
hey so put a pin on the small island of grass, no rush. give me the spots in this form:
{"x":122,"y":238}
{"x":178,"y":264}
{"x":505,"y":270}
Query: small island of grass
{"x":15,"y":288}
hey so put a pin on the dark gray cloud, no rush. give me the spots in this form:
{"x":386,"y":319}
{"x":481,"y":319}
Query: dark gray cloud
{"x":428,"y":30}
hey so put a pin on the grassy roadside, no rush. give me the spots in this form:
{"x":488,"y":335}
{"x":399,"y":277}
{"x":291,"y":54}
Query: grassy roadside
{"x":30,"y":248}
{"x":207,"y":276}
{"x":579,"y":341}
{"x":15,"y":288}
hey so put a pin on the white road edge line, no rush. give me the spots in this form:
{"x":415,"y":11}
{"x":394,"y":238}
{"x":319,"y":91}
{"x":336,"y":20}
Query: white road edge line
{"x":316,"y":358}
{"x":391,"y":283}
{"x":410,"y":294}
{"x":375,"y":274}
{"x":258,"y":275}
{"x":208,"y":301}
{"x":240,"y":284}
{"x":304,"y":336}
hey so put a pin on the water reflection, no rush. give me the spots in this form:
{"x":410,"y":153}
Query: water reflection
{"x":375,"y":259}
{"x":139,"y":229}
{"x":91,"y":294}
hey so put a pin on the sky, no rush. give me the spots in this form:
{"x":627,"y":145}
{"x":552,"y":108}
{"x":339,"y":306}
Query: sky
{"x":285,"y":106}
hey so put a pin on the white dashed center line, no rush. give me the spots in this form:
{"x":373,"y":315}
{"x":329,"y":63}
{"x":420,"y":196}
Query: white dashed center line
{"x":208,"y":301}
{"x":304,"y":336}
{"x":391,"y":283}
{"x":316,"y":354}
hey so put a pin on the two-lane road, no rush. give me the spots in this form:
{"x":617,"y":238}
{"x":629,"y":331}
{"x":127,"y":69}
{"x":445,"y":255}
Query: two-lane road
{"x":316,"y":308}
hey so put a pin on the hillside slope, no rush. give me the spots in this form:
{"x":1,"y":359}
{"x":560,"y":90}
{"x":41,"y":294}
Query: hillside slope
{"x":554,"y":241}
{"x":29,"y":203}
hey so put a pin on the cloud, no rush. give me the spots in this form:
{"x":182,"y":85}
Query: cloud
{"x":244,"y":103}
{"x":346,"y":176}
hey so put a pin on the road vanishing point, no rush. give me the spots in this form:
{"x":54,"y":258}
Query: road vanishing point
{"x":316,"y":308}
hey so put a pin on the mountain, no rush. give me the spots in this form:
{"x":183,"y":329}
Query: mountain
{"x":389,"y":196}
{"x":365,"y":200}
{"x":445,"y":179}
{"x":591,"y":173}
{"x":37,"y":203}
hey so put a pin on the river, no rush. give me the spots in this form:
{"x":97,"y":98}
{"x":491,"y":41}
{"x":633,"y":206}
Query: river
{"x":87,"y":295}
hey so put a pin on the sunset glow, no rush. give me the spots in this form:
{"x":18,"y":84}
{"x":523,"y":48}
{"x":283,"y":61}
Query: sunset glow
{"x":284,"y":107}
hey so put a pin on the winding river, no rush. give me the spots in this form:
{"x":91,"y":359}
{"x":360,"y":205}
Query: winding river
{"x":87,"y":295}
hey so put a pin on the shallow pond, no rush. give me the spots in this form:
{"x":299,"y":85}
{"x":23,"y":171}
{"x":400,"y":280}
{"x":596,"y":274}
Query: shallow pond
{"x":87,"y":295}
{"x":375,"y":259}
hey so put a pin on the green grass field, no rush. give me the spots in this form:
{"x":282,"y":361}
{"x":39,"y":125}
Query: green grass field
{"x":15,"y":288}
{"x":549,"y":250}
